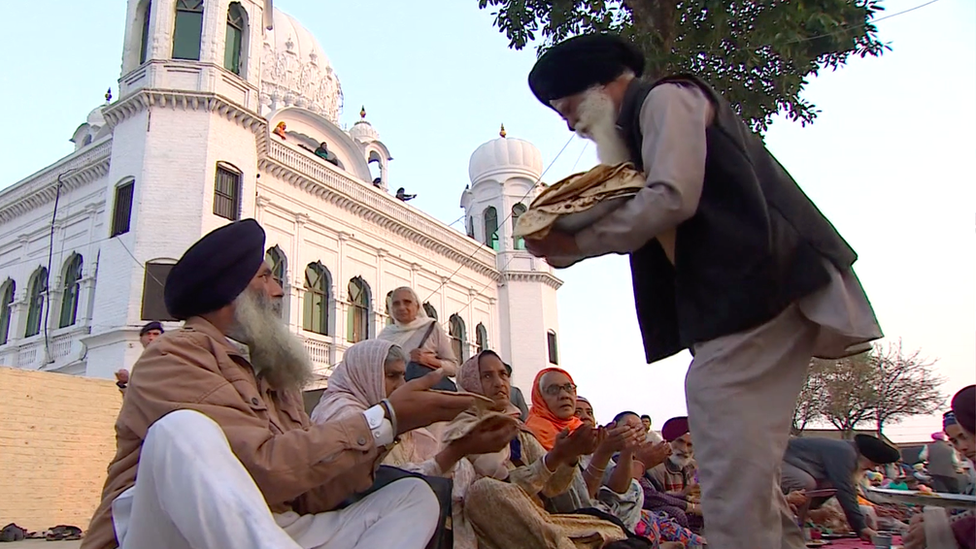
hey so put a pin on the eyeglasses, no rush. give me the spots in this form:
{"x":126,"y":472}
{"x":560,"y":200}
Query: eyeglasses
{"x":554,"y":390}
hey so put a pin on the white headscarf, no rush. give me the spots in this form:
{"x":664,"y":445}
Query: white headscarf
{"x":357,"y":383}
{"x":398,"y":332}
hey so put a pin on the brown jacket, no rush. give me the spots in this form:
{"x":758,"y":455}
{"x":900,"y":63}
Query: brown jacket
{"x":296,"y":465}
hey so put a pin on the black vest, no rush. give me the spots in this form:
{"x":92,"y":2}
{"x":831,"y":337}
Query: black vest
{"x":755,"y":245}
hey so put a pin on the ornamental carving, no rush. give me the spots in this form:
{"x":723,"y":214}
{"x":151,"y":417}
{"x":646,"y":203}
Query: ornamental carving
{"x":287,"y":80}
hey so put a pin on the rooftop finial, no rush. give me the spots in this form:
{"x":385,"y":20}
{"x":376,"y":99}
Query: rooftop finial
{"x":362,"y":112}
{"x":108,"y":96}
{"x":503,"y":133}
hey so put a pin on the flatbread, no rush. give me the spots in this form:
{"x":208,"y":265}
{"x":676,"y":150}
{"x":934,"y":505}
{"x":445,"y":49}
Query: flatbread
{"x":481,"y":403}
{"x":575,"y":194}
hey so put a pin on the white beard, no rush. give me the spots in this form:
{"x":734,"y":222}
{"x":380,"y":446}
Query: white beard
{"x":679,"y":461}
{"x":275,"y":352}
{"x":597,"y":121}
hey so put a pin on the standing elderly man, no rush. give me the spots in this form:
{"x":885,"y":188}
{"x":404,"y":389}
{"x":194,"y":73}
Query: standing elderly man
{"x":729,"y":259}
{"x":214,"y":447}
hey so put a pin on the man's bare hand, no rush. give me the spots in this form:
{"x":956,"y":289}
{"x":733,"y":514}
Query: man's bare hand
{"x":416,"y":406}
{"x":554,"y":244}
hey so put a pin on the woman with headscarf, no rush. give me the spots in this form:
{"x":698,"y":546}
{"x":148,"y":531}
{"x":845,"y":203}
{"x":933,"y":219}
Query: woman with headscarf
{"x":507,"y":504}
{"x":371,"y":371}
{"x":419,"y":335}
{"x":935,"y":529}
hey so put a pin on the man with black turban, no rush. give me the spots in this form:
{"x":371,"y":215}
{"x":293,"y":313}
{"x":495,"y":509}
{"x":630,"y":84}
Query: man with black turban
{"x":729,"y":260}
{"x":214,"y":424}
{"x":818,"y":463}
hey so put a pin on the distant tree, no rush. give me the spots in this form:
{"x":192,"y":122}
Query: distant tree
{"x":758,"y":54}
{"x":848,"y":393}
{"x":905,"y":385}
{"x":809,"y":405}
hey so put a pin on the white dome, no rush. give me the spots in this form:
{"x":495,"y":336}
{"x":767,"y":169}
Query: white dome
{"x":364,"y":132}
{"x":505,"y":155}
{"x":296,"y":72}
{"x":95,"y":118}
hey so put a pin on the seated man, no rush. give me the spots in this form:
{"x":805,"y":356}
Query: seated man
{"x":671,"y":487}
{"x":214,"y":447}
{"x":817,"y":463}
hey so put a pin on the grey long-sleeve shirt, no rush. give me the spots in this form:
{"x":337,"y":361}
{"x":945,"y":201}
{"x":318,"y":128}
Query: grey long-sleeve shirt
{"x":674,"y":119}
{"x":833,"y":461}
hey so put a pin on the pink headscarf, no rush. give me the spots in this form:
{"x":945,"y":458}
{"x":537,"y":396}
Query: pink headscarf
{"x":357,"y":383}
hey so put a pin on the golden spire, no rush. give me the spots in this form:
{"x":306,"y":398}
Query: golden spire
{"x":503,"y":133}
{"x":362,"y":112}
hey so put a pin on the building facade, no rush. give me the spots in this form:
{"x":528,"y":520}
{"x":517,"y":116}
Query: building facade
{"x":220,"y":117}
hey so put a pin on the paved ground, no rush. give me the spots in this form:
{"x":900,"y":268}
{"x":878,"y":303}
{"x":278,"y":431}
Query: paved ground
{"x":39,"y":544}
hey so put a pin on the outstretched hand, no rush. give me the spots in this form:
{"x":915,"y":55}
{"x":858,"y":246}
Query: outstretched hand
{"x":416,"y":406}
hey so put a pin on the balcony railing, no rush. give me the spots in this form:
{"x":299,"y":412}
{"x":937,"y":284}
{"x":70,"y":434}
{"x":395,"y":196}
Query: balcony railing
{"x":379,"y":202}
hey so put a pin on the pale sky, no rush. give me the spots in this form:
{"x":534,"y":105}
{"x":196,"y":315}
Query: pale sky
{"x":886,"y":160}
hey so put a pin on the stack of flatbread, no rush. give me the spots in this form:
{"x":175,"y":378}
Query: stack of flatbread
{"x":579,"y":200}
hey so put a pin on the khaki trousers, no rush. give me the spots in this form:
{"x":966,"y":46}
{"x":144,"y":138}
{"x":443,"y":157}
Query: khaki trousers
{"x":741,"y":391}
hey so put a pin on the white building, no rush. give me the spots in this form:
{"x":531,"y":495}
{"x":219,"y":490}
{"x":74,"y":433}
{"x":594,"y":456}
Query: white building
{"x":217,"y":119}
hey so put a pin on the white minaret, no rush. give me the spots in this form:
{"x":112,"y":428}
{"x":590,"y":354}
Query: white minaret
{"x":185,"y":126}
{"x":505,"y":174}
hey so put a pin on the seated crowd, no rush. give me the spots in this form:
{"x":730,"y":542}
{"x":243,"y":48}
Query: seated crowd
{"x":215,"y":448}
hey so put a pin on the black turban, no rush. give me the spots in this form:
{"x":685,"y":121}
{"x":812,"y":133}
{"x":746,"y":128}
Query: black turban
{"x":876,"y":449}
{"x":215,"y":270}
{"x":577,"y":64}
{"x":674,"y":428}
{"x":964,"y":408}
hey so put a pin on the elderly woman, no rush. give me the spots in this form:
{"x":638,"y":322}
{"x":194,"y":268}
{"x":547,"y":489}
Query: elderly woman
{"x":420,"y":336}
{"x":513,"y":502}
{"x":371,"y":371}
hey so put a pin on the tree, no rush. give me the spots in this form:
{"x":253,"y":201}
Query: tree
{"x":809,"y":405}
{"x":758,"y":54}
{"x":849,"y":394}
{"x":906,"y":385}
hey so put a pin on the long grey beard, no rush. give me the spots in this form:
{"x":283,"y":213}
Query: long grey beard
{"x":598,"y":123}
{"x":276,"y":353}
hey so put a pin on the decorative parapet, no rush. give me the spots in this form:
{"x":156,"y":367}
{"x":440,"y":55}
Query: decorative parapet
{"x":363,"y":200}
{"x":79,"y":168}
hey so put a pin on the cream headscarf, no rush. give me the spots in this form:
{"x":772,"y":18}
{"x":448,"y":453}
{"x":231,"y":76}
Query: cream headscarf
{"x":357,"y":383}
{"x":485,"y":465}
{"x":399,"y":332}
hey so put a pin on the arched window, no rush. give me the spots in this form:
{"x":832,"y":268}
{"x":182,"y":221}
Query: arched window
{"x":481,"y":337}
{"x":553,"y":352}
{"x":72,"y":289}
{"x":359,"y":299}
{"x":458,"y":338}
{"x":227,"y":192}
{"x":144,"y":39}
{"x":470,"y":226}
{"x":36,"y":296}
{"x":6,"y":308}
{"x":235,"y":43}
{"x":188,"y":29}
{"x":279,"y":264}
{"x":318,"y":288}
{"x":518,"y":210}
{"x":386,"y":305}
{"x":491,"y":228}
{"x":430,"y":310}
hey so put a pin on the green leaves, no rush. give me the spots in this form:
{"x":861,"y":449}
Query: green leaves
{"x":759,"y":54}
